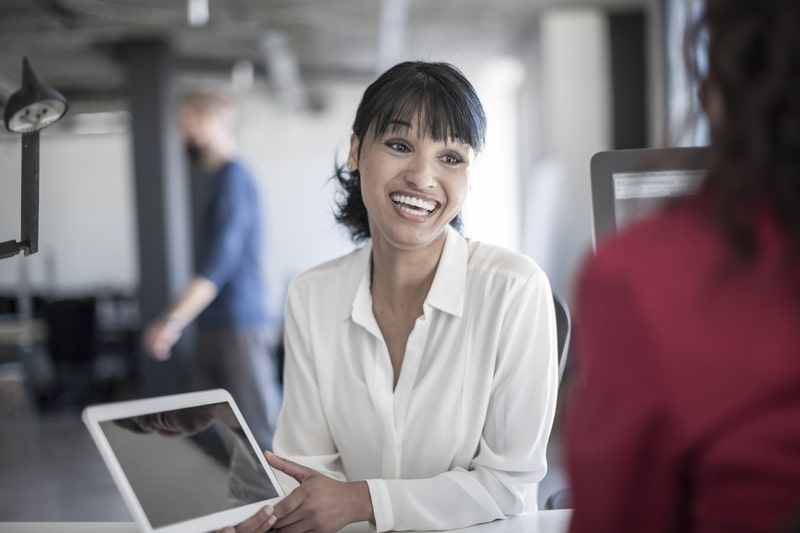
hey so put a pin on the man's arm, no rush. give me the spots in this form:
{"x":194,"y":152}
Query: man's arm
{"x":163,"y":332}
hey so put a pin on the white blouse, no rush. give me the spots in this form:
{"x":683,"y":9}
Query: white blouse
{"x":463,"y":434}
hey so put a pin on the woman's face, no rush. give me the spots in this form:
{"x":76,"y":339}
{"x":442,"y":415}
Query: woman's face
{"x":412,"y":186}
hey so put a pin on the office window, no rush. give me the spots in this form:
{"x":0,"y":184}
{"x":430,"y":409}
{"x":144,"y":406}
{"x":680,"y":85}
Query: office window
{"x":686,"y":123}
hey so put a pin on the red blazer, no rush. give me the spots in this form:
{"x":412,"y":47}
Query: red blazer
{"x":685,"y":416}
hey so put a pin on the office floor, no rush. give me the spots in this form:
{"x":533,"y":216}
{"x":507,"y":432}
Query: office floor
{"x":50,"y":470}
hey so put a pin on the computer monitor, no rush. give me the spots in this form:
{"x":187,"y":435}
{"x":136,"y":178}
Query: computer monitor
{"x":629,"y":184}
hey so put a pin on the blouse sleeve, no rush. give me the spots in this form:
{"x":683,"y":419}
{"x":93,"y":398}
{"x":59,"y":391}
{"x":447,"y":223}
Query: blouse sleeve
{"x":511,"y":456}
{"x":307,"y":438}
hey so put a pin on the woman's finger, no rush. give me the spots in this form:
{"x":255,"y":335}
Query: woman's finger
{"x":259,"y":522}
{"x":289,"y":520}
{"x":290,"y":468}
{"x":297,"y":527}
{"x":288,"y":506}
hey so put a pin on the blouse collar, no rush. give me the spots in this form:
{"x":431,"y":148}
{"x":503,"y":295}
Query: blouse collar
{"x":446,"y":293}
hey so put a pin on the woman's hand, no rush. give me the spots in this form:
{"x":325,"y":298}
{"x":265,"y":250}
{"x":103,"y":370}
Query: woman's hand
{"x":320,"y":504}
{"x":258,"y":523}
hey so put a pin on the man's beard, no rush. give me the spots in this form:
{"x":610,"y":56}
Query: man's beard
{"x":193,"y":152}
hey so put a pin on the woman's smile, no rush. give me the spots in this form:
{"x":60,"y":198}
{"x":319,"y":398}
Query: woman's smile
{"x":414,"y":206}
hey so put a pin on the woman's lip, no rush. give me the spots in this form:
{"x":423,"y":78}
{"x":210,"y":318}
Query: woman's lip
{"x":414,"y":201}
{"x":414,"y":215}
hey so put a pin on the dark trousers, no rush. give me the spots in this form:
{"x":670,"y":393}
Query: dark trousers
{"x":243,"y":361}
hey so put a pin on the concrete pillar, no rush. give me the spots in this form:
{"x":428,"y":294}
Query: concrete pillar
{"x":162,"y":200}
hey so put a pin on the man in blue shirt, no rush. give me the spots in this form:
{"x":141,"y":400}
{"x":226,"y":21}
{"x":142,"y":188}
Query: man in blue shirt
{"x":227,"y":294}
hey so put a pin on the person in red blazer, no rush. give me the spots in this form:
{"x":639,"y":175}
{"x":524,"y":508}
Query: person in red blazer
{"x":685,"y":416}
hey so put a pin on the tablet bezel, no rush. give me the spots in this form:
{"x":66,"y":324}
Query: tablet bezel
{"x":604,"y":165}
{"x":93,"y":415}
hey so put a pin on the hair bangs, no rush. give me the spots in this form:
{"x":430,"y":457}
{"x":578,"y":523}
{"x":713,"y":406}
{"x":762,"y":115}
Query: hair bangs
{"x":436,"y":113}
{"x":434,"y":97}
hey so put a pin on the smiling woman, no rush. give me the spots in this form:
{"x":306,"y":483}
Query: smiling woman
{"x":412,"y":185}
{"x":437,"y":101}
{"x":421,"y":371}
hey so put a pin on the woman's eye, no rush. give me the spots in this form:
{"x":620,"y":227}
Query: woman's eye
{"x":397,"y":146}
{"x":451,"y":159}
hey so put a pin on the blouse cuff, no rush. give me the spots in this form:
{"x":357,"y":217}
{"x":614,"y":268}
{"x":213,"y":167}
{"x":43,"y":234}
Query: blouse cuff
{"x":381,"y":505}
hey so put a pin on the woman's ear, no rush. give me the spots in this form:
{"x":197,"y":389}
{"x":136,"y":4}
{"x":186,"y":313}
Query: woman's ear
{"x":352,"y":158}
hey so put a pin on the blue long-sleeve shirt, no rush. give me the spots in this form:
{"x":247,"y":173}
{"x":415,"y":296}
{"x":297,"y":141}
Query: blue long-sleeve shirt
{"x":232,"y":250}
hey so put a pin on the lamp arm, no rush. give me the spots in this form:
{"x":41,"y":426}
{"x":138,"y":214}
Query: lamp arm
{"x":29,"y":213}
{"x":9,"y":249}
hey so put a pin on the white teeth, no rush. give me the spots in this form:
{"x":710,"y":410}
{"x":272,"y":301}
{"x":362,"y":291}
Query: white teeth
{"x":414,"y":202}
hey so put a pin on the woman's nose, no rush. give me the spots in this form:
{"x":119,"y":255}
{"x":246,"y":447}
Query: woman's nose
{"x":421,"y":173}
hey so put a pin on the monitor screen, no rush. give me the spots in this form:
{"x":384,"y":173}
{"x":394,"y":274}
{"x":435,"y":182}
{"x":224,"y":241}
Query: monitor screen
{"x":630,"y":184}
{"x":637,"y":194}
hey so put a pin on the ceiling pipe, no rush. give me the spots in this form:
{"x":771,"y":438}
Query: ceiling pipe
{"x":283,"y":71}
{"x":197,"y":11}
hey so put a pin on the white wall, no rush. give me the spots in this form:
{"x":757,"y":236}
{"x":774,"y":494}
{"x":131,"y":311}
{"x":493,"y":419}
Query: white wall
{"x":575,"y":124}
{"x":293,"y":157}
{"x":86,"y":224}
{"x":492,"y":208}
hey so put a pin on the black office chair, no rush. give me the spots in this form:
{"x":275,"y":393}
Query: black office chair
{"x":71,"y":335}
{"x":561,"y":498}
{"x":563,"y":330}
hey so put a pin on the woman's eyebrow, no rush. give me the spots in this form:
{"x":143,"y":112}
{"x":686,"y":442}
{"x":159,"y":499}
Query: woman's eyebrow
{"x":398,"y":125}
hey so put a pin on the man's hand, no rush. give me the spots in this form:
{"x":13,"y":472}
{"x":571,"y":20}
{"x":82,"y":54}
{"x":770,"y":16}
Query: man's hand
{"x":159,"y":338}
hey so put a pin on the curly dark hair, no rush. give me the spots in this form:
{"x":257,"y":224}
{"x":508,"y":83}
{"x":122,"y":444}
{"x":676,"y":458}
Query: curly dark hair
{"x":438,"y":96}
{"x":754,"y":69}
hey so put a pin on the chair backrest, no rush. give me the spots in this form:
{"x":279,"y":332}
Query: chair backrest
{"x":71,"y":329}
{"x":563,"y":329}
{"x":561,"y":498}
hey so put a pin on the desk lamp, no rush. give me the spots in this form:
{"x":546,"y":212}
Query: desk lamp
{"x":28,"y":110}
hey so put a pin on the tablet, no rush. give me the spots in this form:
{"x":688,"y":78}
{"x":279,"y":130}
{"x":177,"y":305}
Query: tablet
{"x":185,"y":462}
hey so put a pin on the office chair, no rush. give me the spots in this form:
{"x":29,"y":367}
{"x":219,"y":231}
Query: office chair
{"x":563,"y":330}
{"x":560,"y":499}
{"x":71,"y":335}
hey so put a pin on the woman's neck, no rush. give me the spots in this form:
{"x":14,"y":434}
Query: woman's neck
{"x":401,"y":279}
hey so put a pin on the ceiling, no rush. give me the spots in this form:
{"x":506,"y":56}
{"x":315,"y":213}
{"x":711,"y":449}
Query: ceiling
{"x":73,"y":45}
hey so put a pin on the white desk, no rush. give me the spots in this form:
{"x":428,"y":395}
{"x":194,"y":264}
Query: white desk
{"x":540,"y":522}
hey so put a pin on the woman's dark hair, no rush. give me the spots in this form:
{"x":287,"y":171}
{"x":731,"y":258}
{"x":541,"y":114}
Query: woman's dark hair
{"x":437,"y":96}
{"x":754,"y":69}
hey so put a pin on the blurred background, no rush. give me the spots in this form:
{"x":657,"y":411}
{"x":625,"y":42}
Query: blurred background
{"x":560,"y":81}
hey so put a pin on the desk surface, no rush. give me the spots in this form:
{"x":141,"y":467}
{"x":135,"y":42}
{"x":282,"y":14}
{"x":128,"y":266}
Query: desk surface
{"x":538,"y":522}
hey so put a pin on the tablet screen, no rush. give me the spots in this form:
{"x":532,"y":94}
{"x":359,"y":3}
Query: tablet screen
{"x":187,"y":463}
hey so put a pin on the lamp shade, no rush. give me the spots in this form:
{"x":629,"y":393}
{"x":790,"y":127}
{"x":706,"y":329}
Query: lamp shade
{"x":33,"y":106}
